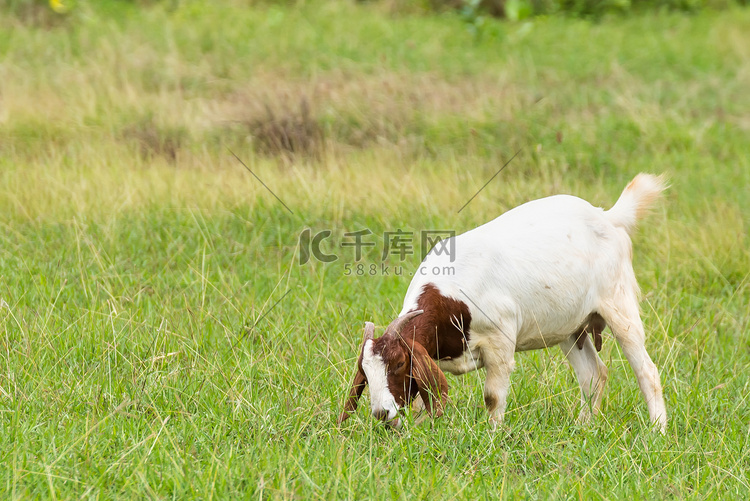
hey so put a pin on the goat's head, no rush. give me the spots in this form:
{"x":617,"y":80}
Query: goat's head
{"x":397,"y":369}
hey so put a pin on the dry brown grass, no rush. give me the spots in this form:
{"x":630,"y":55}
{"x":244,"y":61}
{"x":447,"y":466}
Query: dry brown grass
{"x":339,"y":112}
{"x":287,"y":132}
{"x":152,"y":139}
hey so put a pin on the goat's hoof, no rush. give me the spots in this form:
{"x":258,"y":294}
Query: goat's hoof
{"x":584,"y":417}
{"x":496,"y":424}
{"x":661,"y":426}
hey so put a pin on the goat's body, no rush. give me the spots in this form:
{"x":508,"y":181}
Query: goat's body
{"x":540,"y":269}
{"x":531,"y":279}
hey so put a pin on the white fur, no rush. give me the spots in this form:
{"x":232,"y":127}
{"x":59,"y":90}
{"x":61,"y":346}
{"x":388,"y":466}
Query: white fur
{"x":381,"y":398}
{"x":530,"y":279}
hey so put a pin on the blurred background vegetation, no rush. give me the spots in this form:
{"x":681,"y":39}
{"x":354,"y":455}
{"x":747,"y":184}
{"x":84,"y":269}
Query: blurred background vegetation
{"x":513,"y":9}
{"x":38,"y":11}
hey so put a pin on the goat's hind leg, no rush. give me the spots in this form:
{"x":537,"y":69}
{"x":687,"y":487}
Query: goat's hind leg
{"x":624,"y":320}
{"x":590,"y":372}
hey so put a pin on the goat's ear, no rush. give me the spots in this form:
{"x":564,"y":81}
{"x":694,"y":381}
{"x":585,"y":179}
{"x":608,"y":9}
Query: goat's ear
{"x":433,"y":387}
{"x":360,"y":381}
{"x":358,"y":387}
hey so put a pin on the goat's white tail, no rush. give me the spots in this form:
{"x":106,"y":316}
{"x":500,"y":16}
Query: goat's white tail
{"x":636,"y":199}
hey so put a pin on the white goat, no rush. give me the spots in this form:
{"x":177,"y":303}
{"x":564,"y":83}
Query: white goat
{"x":550,"y":272}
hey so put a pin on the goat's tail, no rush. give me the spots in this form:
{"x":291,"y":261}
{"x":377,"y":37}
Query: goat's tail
{"x":636,"y":199}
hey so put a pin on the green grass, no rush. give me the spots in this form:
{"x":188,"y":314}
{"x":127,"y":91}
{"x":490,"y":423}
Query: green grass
{"x":142,"y":349}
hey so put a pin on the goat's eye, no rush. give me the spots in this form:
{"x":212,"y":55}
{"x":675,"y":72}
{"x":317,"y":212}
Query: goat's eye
{"x":400,"y":364}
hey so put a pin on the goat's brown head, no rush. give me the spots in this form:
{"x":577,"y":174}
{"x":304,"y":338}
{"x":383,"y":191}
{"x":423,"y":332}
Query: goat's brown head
{"x":397,"y":368}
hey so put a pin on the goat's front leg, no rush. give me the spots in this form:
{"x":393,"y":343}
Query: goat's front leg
{"x":499,"y":362}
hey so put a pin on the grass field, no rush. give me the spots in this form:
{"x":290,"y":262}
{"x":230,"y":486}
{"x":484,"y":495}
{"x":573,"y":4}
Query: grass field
{"x":160,"y":338}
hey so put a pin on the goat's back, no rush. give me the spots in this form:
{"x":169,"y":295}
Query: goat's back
{"x":546,"y":262}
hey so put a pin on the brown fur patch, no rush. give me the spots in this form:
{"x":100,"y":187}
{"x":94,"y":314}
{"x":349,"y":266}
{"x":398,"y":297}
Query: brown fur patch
{"x":395,"y":355}
{"x":490,"y":402}
{"x":443,"y":328}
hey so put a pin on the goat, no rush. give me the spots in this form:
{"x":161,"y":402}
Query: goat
{"x":553,"y":271}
